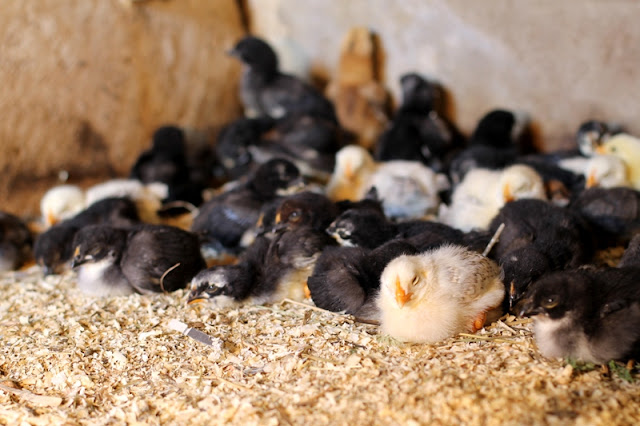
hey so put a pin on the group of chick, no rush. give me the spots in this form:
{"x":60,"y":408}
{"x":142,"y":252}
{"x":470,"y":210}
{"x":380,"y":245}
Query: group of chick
{"x":426,"y":231}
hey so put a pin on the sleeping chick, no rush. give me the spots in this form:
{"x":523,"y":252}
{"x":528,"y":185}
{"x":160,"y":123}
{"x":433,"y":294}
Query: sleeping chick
{"x":589,"y":314}
{"x":627,"y":148}
{"x":408,"y":189}
{"x":429,"y":297}
{"x":60,"y":203}
{"x":483,"y":192}
{"x":604,"y":171}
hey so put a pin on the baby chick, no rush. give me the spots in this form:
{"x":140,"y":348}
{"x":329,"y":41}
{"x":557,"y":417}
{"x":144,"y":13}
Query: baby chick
{"x":15,"y":242}
{"x":305,"y":209}
{"x":61,"y":202}
{"x":408,"y":189}
{"x":144,"y":259}
{"x":225,"y":218}
{"x":589,"y":314}
{"x":348,"y":278}
{"x":264,"y":90}
{"x":418,"y":132}
{"x":592,"y":134}
{"x":360,"y":99}
{"x":437,"y":294}
{"x":482,"y":193}
{"x":626,"y":147}
{"x":270,"y":270}
{"x":612,"y":213}
{"x":53,"y":248}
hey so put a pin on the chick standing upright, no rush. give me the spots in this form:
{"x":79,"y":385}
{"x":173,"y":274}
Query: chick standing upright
{"x":264,"y":90}
{"x":437,"y":294}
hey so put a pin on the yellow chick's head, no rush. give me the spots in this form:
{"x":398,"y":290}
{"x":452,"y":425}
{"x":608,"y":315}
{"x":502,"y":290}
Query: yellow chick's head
{"x":405,"y":281}
{"x":520,"y":181}
{"x":606,"y":171}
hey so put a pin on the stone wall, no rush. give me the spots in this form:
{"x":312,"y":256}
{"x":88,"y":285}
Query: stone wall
{"x":562,"y":61}
{"x":84,"y":84}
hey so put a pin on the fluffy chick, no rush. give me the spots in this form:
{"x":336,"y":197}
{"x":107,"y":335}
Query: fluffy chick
{"x":270,"y":270}
{"x":225,"y":218}
{"x":626,"y":147}
{"x":538,"y":237}
{"x":418,"y":132}
{"x":305,"y":209}
{"x":408,"y":189}
{"x":60,"y":203}
{"x":482,"y":193}
{"x":264,"y":90}
{"x":612,"y":213}
{"x":348,"y":278}
{"x":53,"y":248}
{"x":144,"y":258}
{"x":593,"y":133}
{"x":360,"y":99}
{"x":589,"y":314}
{"x":438,"y":294}
{"x":16,"y":242}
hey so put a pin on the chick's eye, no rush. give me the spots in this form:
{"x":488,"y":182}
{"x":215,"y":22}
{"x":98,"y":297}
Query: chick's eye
{"x":295,"y":215}
{"x":415,"y":281}
{"x":550,"y":302}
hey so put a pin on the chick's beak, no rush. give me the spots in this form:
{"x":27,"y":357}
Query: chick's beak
{"x":600,"y":149}
{"x":51,"y":219}
{"x":506,"y":194}
{"x":527,"y":308}
{"x":401,"y":296}
{"x":591,"y":181}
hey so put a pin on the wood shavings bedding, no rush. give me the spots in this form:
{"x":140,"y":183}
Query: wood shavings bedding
{"x":67,"y":357}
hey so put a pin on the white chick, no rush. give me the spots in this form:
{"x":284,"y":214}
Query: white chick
{"x":148,"y":198}
{"x":605,"y":171}
{"x":627,"y":148}
{"x":60,"y":203}
{"x":408,"y":189}
{"x":483,"y":192}
{"x":434,"y":295}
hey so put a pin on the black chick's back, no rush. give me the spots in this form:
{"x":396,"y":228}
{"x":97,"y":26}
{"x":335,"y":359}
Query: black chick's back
{"x":16,"y":242}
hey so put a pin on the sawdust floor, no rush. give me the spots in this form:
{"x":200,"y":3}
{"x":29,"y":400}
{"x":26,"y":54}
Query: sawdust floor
{"x":69,"y":358}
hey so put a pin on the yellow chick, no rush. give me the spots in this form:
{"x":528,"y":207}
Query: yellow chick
{"x":61,"y":202}
{"x":483,"y":192}
{"x":431,"y":296}
{"x":408,"y":189}
{"x":626,"y":147}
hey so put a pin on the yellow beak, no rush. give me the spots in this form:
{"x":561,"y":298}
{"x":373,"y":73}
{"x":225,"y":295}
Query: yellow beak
{"x":506,"y":194}
{"x":51,"y":219}
{"x":196,"y":301}
{"x":591,"y":181}
{"x":401,"y":296}
{"x":600,"y":149}
{"x":348,"y":171}
{"x":278,"y":218}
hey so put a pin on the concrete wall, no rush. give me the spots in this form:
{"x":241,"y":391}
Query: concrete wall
{"x":562,"y":61}
{"x":85,"y":82}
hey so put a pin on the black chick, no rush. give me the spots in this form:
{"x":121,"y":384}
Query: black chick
{"x":538,"y":238}
{"x":234,"y":142}
{"x":499,"y":137}
{"x":144,"y":258}
{"x":16,"y":242}
{"x":53,"y":248}
{"x":306,"y":209}
{"x":631,"y":256}
{"x":613,"y":213}
{"x":347,"y":278}
{"x":270,"y":270}
{"x":225,"y":218}
{"x":589,"y":314}
{"x":166,"y":162}
{"x":264,"y":90}
{"x":370,"y":228}
{"x":418,"y":132}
